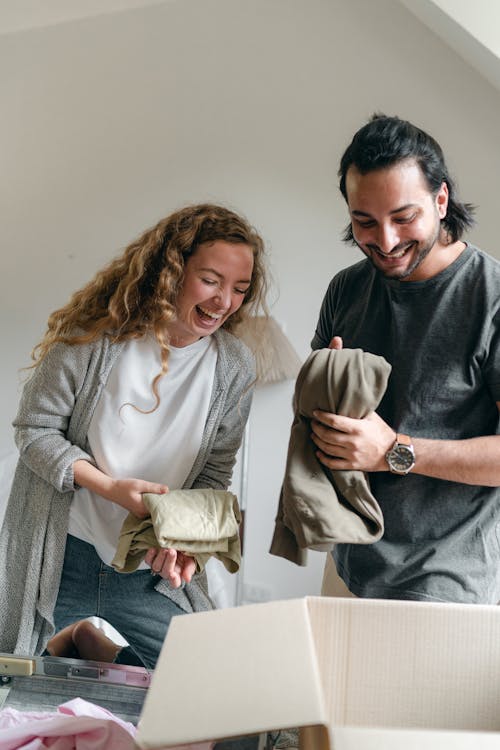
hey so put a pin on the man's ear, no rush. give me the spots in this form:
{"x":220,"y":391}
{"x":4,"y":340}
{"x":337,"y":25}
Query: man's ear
{"x":442,"y":198}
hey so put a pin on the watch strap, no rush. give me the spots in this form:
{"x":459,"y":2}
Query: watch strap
{"x":403,"y":440}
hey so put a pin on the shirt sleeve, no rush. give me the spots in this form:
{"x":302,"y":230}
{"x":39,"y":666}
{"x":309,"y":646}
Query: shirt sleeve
{"x":324,"y":329}
{"x":491,"y":367}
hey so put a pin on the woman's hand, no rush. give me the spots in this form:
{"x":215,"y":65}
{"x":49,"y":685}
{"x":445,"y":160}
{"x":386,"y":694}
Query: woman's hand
{"x":168,"y":563}
{"x":128,"y":493}
{"x":125,"y":492}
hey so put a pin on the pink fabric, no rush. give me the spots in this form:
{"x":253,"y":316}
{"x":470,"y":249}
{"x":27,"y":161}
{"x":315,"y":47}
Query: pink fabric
{"x":77,"y":725}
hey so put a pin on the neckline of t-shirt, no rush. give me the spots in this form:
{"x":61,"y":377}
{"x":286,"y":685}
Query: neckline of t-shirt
{"x":194,"y":348}
{"x":407,"y":287}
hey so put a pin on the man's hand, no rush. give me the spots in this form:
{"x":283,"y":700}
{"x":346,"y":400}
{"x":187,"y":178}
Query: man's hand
{"x":346,"y":443}
{"x":168,"y":563}
{"x":336,"y":343}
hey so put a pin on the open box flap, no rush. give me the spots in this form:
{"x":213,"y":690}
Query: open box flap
{"x":388,"y":663}
{"x":233,"y":672}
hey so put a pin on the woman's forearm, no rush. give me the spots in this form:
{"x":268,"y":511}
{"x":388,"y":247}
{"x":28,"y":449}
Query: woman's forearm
{"x":124,"y":492}
{"x":89,"y":476}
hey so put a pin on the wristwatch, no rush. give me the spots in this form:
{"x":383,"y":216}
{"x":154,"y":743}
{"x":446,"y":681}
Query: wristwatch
{"x":401,"y":457}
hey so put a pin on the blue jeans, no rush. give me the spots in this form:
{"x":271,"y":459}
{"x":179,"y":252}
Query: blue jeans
{"x":128,"y":601}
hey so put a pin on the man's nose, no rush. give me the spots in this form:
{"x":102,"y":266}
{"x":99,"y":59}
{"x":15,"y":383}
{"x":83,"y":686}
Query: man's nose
{"x":388,"y":237}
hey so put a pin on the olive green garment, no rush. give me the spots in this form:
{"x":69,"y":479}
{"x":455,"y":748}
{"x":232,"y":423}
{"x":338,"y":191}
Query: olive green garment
{"x":201,"y":522}
{"x":318,"y":507}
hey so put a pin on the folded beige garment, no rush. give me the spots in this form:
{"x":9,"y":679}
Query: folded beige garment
{"x":202,"y":523}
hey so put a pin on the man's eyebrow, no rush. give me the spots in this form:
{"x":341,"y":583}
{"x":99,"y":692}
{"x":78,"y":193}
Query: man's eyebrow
{"x":394,"y":211}
{"x":403,"y":208}
{"x":221,"y":276}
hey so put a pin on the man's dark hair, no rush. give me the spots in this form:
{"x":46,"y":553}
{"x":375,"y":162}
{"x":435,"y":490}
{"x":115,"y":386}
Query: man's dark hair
{"x":385,"y":141}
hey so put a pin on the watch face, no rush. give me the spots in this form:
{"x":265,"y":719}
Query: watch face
{"x":401,"y":459}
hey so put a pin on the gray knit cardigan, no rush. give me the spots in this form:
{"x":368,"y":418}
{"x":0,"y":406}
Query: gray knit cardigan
{"x":51,"y":434}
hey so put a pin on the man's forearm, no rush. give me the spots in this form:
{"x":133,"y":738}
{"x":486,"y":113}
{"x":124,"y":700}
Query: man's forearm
{"x":472,"y":461}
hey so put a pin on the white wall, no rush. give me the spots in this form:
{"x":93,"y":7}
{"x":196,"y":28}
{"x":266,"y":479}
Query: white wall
{"x":112,"y":122}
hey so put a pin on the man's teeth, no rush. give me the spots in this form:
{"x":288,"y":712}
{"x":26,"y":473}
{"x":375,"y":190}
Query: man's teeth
{"x":397,"y":255}
{"x":215,"y":316}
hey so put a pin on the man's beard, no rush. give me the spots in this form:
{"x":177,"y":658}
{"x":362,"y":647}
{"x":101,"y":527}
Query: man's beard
{"x":424,"y":248}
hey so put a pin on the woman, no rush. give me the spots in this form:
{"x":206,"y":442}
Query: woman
{"x":138,"y":386}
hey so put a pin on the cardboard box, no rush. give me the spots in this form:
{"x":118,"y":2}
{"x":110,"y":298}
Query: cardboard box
{"x":349,"y":738}
{"x":343,"y":670}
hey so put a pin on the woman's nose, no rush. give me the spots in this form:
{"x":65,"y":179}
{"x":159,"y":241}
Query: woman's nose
{"x":223,"y":297}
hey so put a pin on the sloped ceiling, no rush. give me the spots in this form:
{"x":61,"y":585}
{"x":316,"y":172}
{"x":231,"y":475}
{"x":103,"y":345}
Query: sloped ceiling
{"x":22,"y":15}
{"x":470,"y":27}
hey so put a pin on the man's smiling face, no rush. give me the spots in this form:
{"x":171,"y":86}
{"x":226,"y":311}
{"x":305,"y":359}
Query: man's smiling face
{"x":396,"y":219}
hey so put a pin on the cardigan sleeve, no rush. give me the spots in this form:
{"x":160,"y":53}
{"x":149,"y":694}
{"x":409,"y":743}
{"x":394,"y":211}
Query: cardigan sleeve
{"x":45,"y":409}
{"x":236,"y":402}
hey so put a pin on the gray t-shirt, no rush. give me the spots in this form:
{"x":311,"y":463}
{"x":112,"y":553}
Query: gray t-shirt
{"x":441,"y":336}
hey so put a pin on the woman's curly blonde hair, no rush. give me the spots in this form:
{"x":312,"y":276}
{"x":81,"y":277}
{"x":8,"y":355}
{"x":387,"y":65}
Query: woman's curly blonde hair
{"x":136,"y":292}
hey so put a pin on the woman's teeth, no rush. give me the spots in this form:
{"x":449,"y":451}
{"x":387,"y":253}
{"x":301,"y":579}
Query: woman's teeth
{"x":214,"y":316}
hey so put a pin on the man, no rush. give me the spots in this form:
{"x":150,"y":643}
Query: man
{"x":429,"y":303}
